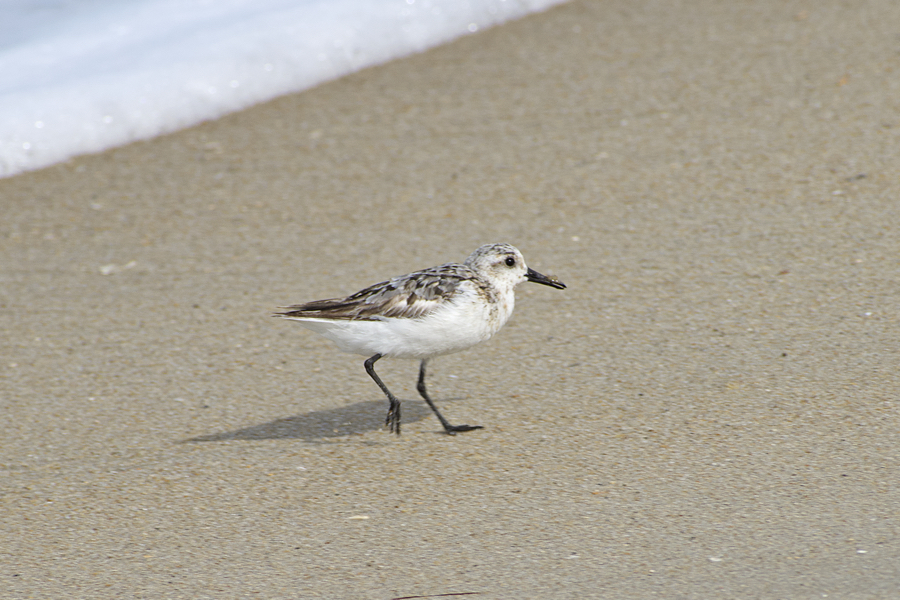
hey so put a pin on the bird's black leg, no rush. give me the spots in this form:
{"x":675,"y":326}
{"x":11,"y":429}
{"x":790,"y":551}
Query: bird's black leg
{"x":393,"y":416}
{"x":450,"y":429}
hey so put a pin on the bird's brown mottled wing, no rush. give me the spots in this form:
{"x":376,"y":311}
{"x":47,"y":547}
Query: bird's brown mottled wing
{"x":406,"y":297}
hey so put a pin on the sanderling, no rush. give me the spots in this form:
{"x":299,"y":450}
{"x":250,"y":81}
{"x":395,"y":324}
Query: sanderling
{"x":424,"y":314}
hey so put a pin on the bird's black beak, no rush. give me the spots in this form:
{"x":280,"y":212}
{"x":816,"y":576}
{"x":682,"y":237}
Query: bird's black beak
{"x":532,"y":275}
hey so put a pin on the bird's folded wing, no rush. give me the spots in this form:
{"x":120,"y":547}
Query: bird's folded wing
{"x":410,"y":296}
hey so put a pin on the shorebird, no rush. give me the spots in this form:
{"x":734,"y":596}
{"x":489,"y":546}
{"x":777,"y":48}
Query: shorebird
{"x":424,"y":314}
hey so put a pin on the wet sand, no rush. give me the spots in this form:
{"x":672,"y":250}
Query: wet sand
{"x":710,"y":410}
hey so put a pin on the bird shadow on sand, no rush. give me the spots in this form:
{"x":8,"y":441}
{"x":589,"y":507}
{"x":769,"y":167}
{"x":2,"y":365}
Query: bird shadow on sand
{"x":321,"y":425}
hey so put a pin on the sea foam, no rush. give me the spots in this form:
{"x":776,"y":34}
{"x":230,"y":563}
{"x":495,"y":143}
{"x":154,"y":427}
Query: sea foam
{"x":80,"y":76}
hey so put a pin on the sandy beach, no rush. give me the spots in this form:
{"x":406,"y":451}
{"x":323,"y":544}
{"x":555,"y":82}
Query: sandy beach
{"x":710,"y":410}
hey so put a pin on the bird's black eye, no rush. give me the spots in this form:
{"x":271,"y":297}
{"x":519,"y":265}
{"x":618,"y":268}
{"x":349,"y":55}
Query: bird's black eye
{"x":510,"y":261}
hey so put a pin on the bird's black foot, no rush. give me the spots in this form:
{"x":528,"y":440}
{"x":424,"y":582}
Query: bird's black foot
{"x":392,"y":420}
{"x":448,"y":428}
{"x":454,"y":429}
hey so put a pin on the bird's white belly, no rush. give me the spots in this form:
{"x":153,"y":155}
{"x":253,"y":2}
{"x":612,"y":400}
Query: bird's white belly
{"x":454,"y":327}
